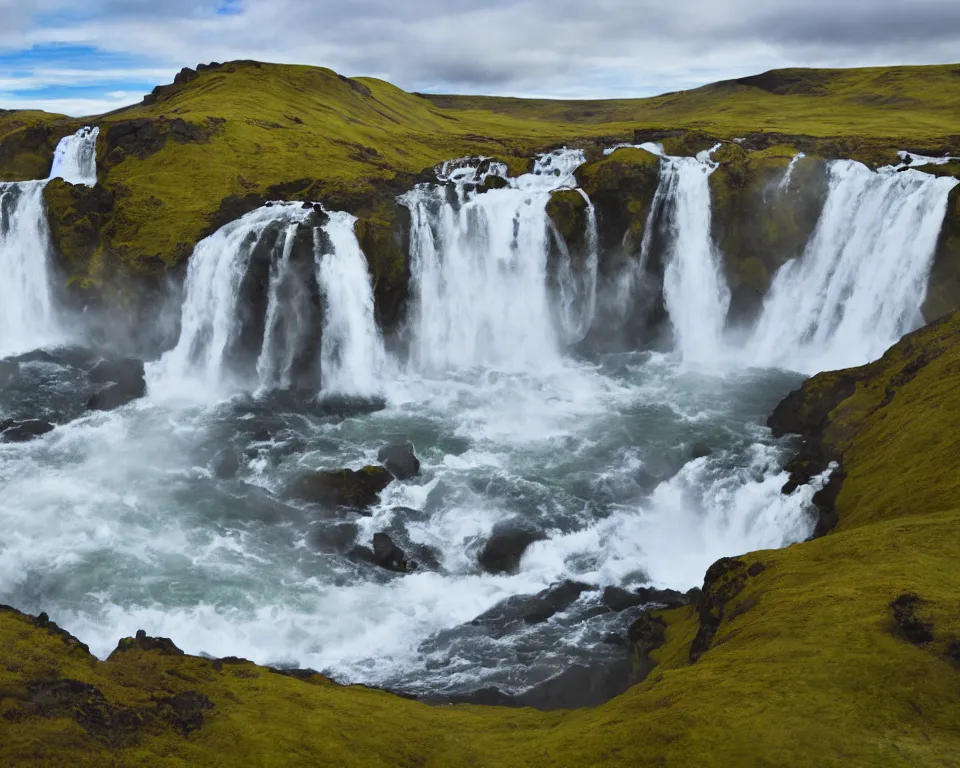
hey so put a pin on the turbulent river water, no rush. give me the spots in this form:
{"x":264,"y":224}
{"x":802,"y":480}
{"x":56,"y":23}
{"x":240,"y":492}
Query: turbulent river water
{"x":638,"y":468}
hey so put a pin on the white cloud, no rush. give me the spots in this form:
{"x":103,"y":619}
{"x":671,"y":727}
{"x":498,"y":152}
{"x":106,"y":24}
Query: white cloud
{"x":516,"y":47}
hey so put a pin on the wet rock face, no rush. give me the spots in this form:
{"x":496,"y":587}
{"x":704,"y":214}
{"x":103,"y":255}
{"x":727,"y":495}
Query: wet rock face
{"x":400,"y":460}
{"x":23,"y":431}
{"x":724,"y":581}
{"x":125,"y":383}
{"x":354,"y":489}
{"x":505,"y":547}
{"x":760,"y":222}
{"x":533,"y":609}
{"x":388,"y":555}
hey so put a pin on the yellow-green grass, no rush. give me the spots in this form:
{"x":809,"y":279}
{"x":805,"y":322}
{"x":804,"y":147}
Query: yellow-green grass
{"x":348,"y":138}
{"x":808,"y":667}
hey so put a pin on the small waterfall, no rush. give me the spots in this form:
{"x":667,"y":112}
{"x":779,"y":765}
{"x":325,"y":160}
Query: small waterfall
{"x":75,"y":159}
{"x":479,"y":262}
{"x":576,"y":288}
{"x":352,"y":353}
{"x":28,"y":315}
{"x":695,"y":291}
{"x":251,"y":316}
{"x":862,"y":279}
{"x":788,"y":175}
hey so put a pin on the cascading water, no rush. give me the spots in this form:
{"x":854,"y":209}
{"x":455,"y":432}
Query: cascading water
{"x":862,"y":280}
{"x":302,"y":258}
{"x":75,"y":159}
{"x":352,"y":354}
{"x":695,"y":291}
{"x":28,"y":316}
{"x":788,"y":174}
{"x":479,"y":263}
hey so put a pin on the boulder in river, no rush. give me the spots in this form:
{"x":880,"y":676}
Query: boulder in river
{"x":23,"y":431}
{"x":505,"y":547}
{"x":534,"y":609}
{"x":125,"y":380}
{"x":400,"y":460}
{"x":356,"y":489}
{"x":388,"y":555}
{"x":225,"y":464}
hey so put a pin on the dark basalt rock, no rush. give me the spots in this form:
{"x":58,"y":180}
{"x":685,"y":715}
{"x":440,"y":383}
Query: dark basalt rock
{"x":646,"y":634}
{"x":912,"y":627}
{"x":491,"y":183}
{"x":505,"y":547}
{"x":126,"y":383}
{"x":225,"y":464}
{"x":725,"y":579}
{"x":388,"y":555}
{"x":23,"y":431}
{"x":355,"y":489}
{"x":185,"y":711}
{"x":533,"y":609}
{"x":400,"y":460}
{"x":142,"y":642}
{"x":618,"y":600}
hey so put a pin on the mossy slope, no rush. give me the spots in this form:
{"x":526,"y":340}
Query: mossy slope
{"x":844,"y":651}
{"x":221,"y":140}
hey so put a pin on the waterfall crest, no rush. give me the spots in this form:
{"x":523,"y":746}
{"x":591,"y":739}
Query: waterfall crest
{"x":479,"y":260}
{"x":279,"y":299}
{"x":860,"y":284}
{"x":28,"y":314}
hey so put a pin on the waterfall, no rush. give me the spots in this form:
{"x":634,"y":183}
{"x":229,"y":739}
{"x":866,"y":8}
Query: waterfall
{"x":480,"y":261}
{"x":352,"y":353}
{"x":28,"y":316}
{"x":251,"y":313}
{"x":862,"y":279}
{"x":695,"y":291}
{"x":788,"y":175}
{"x":75,"y":159}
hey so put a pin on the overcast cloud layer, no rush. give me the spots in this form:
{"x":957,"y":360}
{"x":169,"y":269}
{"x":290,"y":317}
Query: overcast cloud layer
{"x":56,"y":56}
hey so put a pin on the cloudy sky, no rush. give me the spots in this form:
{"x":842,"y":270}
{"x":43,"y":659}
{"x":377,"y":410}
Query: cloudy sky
{"x":85,"y":58}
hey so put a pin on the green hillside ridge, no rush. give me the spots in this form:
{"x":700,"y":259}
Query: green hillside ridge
{"x":222,"y":140}
{"x":843,"y":651}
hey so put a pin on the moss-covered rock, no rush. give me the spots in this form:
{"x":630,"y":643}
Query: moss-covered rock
{"x":943,"y":294}
{"x":621,"y":187}
{"x":759,"y":222}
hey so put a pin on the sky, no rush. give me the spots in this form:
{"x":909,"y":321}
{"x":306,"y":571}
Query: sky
{"x":91,"y":57}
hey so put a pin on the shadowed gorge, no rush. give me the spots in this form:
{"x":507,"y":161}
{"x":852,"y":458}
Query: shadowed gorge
{"x":493,"y":432}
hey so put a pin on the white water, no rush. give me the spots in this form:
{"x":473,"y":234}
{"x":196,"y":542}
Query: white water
{"x":695,"y":291}
{"x":479,"y":264}
{"x":862,"y":280}
{"x":75,"y":160}
{"x":213,"y":314}
{"x":352,"y":355}
{"x":788,"y":175}
{"x":28,"y":315}
{"x":209,"y":321}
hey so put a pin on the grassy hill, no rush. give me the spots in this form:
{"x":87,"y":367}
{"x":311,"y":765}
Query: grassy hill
{"x":256,"y":131}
